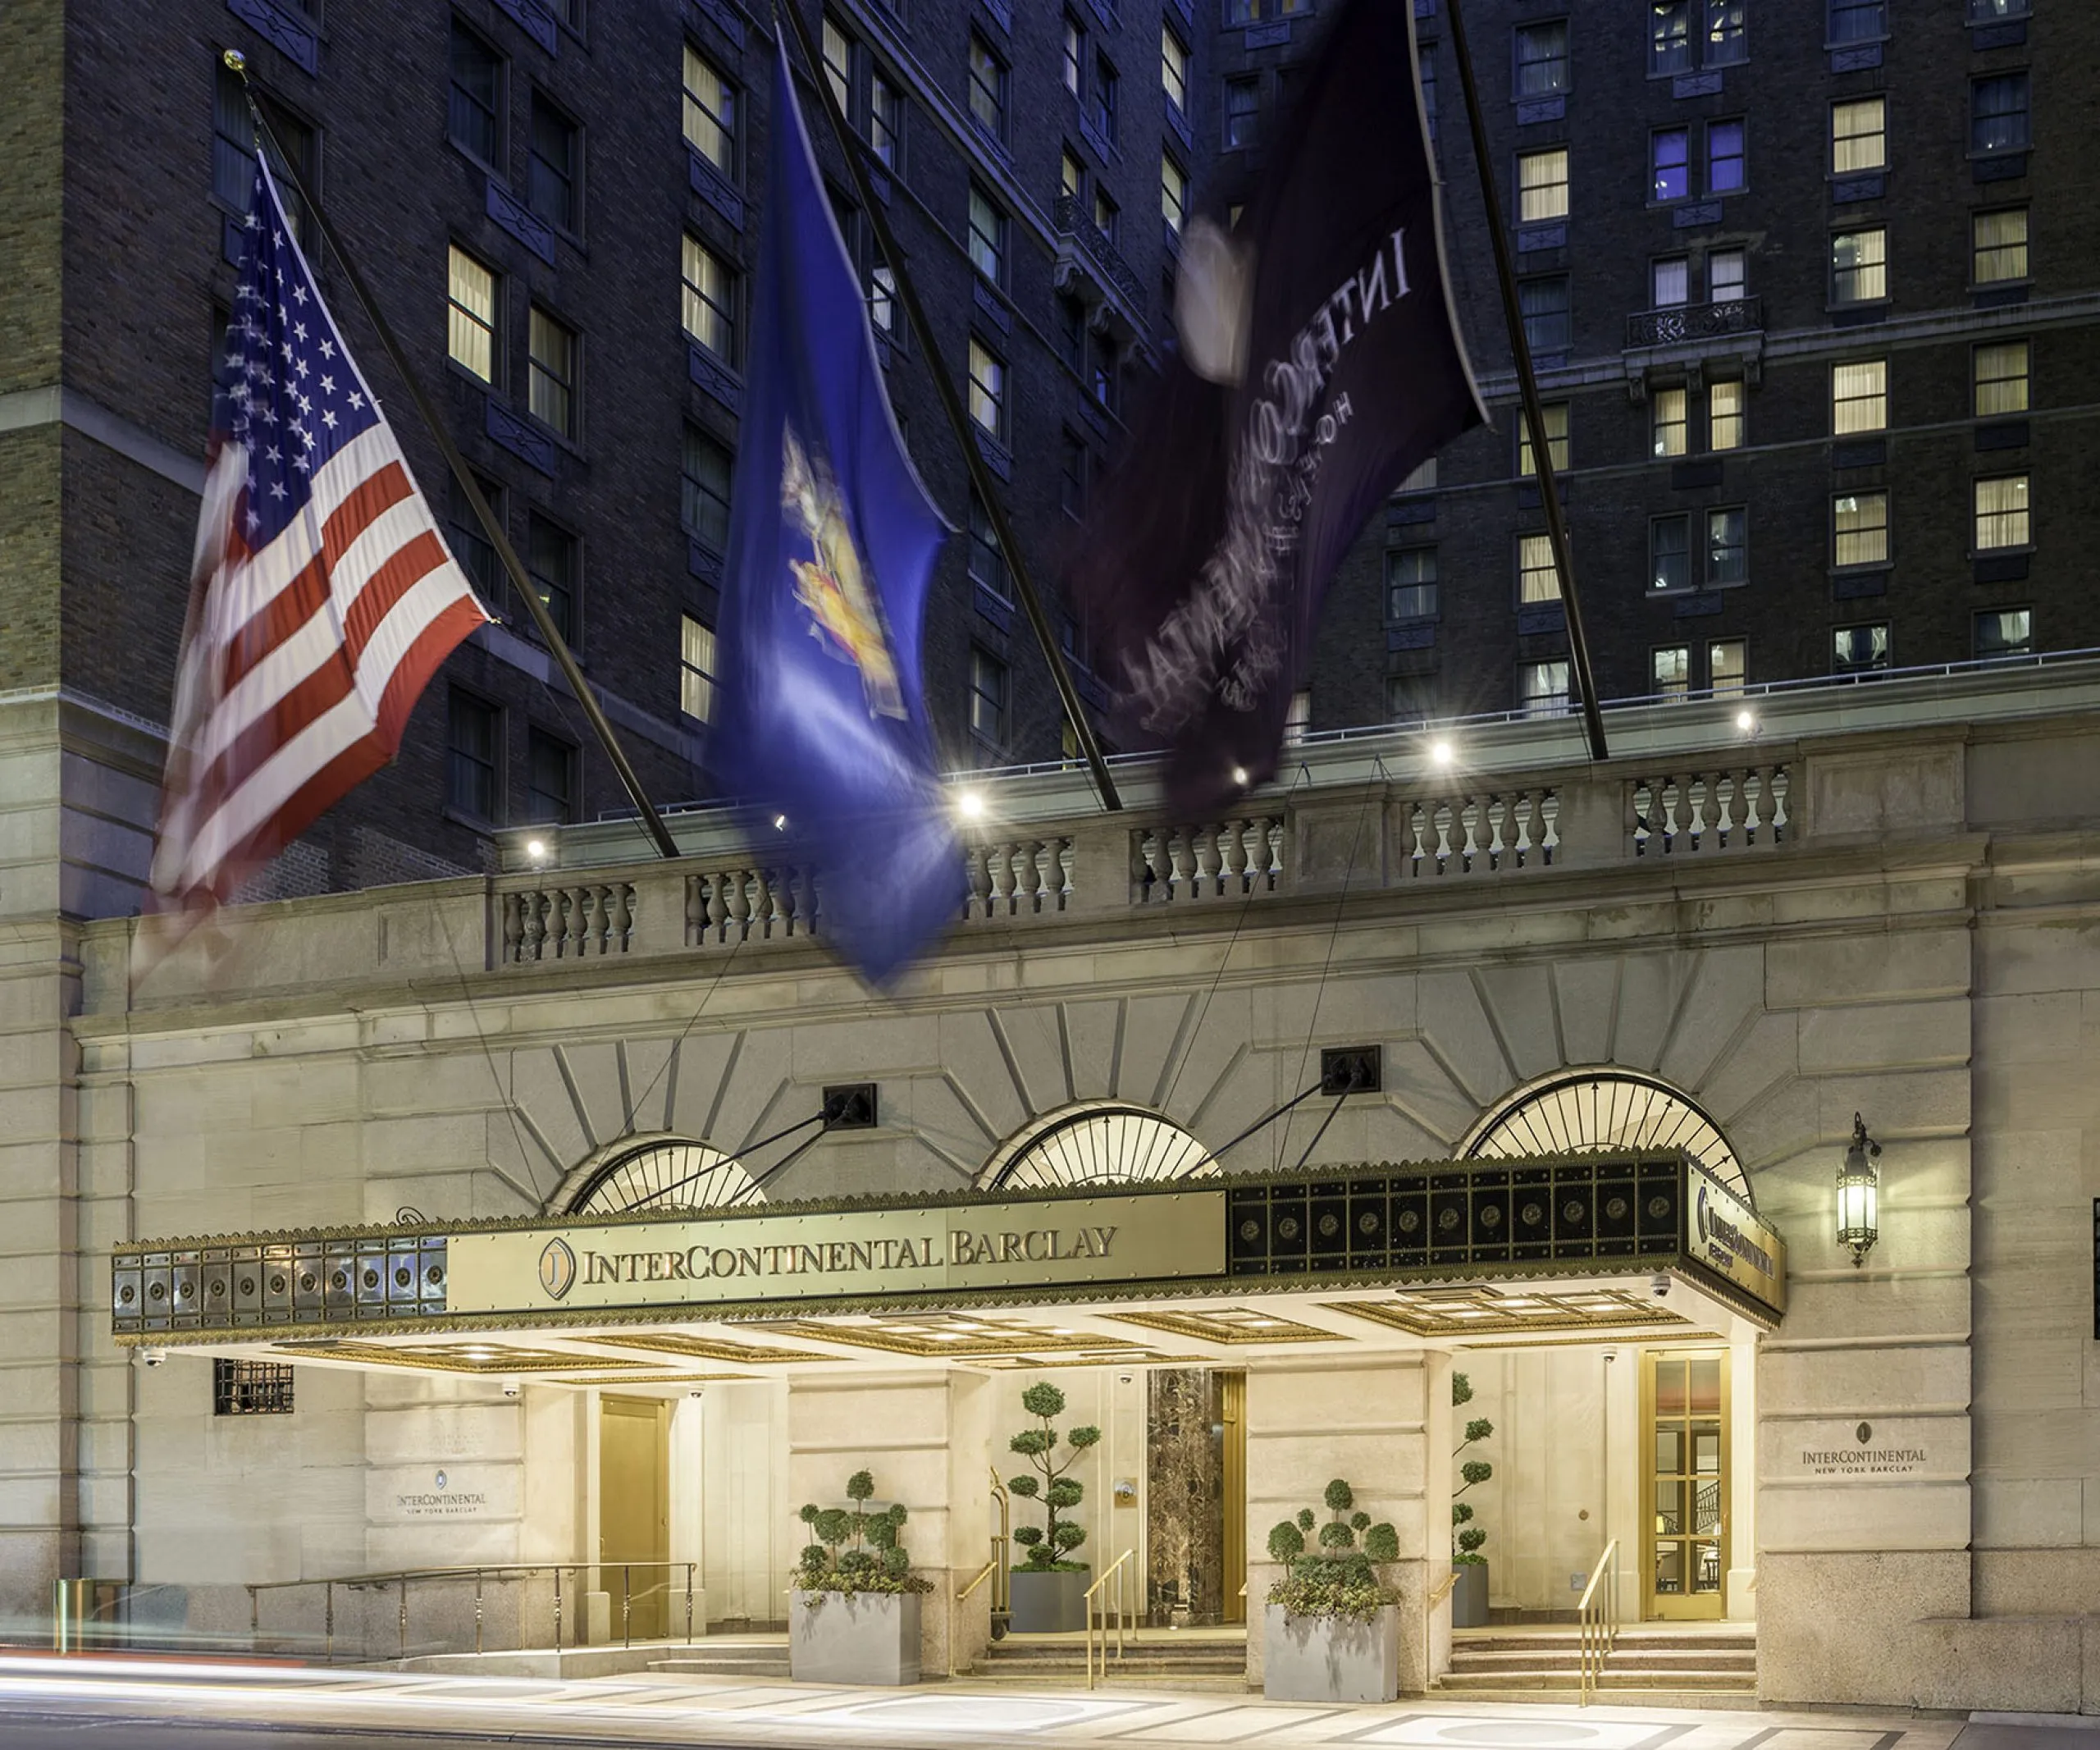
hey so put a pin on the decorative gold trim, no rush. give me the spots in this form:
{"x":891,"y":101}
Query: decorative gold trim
{"x":1204,"y":1329}
{"x":968,"y":1345}
{"x":444,"y":1359}
{"x":1419,"y":1320}
{"x":710,"y":1349}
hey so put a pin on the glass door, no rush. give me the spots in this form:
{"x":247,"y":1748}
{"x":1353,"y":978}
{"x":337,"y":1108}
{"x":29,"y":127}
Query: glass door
{"x":1685,"y":1484}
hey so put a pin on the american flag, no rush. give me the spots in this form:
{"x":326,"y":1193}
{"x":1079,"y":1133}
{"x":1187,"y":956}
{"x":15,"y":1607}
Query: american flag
{"x":322,"y":598}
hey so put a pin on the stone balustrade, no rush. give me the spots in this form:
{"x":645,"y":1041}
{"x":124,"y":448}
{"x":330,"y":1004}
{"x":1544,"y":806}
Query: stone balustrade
{"x":1225,"y":860}
{"x":1722,"y":808}
{"x":1484,"y":832}
{"x":743,"y":904}
{"x":567,"y":920}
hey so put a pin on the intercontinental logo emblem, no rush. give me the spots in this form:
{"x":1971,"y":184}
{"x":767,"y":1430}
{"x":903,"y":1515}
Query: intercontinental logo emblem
{"x":557,"y":1268}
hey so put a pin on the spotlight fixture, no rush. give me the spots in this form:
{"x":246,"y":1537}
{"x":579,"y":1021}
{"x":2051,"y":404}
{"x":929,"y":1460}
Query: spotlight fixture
{"x":1747,"y":719}
{"x":1440,"y":753}
{"x":1239,"y":776}
{"x":971,"y":805}
{"x":536,"y":849}
{"x":780,"y":823}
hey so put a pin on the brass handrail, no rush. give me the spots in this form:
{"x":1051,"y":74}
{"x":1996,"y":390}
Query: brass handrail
{"x":986,"y":1572}
{"x":1113,"y":1571}
{"x":1600,"y":1621}
{"x":1002,"y":1601}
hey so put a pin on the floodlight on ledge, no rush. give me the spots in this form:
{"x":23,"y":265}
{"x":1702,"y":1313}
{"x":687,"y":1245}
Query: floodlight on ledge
{"x":1239,"y":776}
{"x":536,"y":849}
{"x":780,"y":823}
{"x":971,"y":805}
{"x":1747,"y":720}
{"x":1440,"y":752}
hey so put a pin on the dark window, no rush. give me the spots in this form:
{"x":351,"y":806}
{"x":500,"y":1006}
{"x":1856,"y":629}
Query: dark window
{"x":1669,"y":36}
{"x":987,"y":236}
{"x":233,"y":140}
{"x":1071,"y":334}
{"x":1726,"y":171}
{"x":549,"y":779}
{"x":1072,"y":472}
{"x":1990,"y":11}
{"x":470,"y":785}
{"x":1669,"y":554}
{"x":1243,"y":113}
{"x":553,"y":190}
{"x":1107,"y":216}
{"x":251,"y":1388}
{"x":1410,"y":698}
{"x":1428,"y":68}
{"x":1104,"y":372}
{"x":1856,"y":649}
{"x":704,"y":490}
{"x":988,"y":697}
{"x":1545,"y":305}
{"x":474,"y":116}
{"x":1107,"y":96}
{"x":550,"y":561}
{"x":553,"y":358}
{"x":1411,"y":584}
{"x":233,"y":153}
{"x":1858,"y":21}
{"x":471,"y":545}
{"x":2005,"y":632}
{"x":987,"y":87}
{"x":1997,"y":113}
{"x":1542,"y":58}
{"x":988,"y":564}
{"x":885,"y":118}
{"x":1669,"y":152}
{"x":1727,"y":33}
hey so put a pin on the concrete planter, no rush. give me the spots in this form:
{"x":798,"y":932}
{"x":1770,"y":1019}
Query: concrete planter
{"x":1049,"y":1603}
{"x":871,"y":1637}
{"x":1469,"y":1594}
{"x":1329,"y":1658}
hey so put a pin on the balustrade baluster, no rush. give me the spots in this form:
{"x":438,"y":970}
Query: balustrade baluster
{"x":1757,"y":810}
{"x":1781,"y":819}
{"x":695,"y":910}
{"x":1411,"y":831}
{"x":1041,"y":859}
{"x":1522,"y":811}
{"x":1644,"y":815}
{"x":1728,"y":795}
{"x":738,"y":926}
{"x":1177,"y":862}
{"x":1468,"y":833}
{"x":1234,"y":859}
{"x":1273,"y":865}
{"x":591,"y":914}
{"x":1673,"y":794}
{"x":1497,"y":810}
{"x":1144,"y":865}
{"x":1442,"y":817}
{"x":1064,"y":855}
{"x":718,"y":907}
{"x":513,"y":927}
{"x":1549,"y":837}
{"x":1209,"y":859}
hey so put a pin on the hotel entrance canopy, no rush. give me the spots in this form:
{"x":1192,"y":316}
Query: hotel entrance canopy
{"x":1190,"y":1272}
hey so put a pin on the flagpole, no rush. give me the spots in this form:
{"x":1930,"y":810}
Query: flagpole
{"x":542,"y":621}
{"x":980,"y":475}
{"x":1520,"y":346}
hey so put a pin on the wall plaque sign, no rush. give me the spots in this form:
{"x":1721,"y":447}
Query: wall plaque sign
{"x":1723,"y":1233}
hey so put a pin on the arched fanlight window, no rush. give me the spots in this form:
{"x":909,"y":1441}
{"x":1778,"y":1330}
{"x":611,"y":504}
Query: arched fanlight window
{"x":1572,"y":1110}
{"x":1098,"y":1143}
{"x":661,"y":1173}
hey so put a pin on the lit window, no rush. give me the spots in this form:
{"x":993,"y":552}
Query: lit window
{"x":1670,"y":157}
{"x":1546,"y":322}
{"x":1725,"y":169}
{"x":988,"y":563}
{"x":552,"y":564}
{"x":1538,"y":578}
{"x":1858,"y":21}
{"x":988,"y":388}
{"x":1411,"y":584}
{"x":707,"y":299}
{"x":1997,"y":113}
{"x":710,"y":113}
{"x":1542,"y":688}
{"x":988,"y":697}
{"x":555,"y":171}
{"x":1071,"y":175}
{"x":1856,"y":649}
{"x":1859,"y":397}
{"x":885,"y":118}
{"x":1243,"y":106}
{"x":1728,"y":548}
{"x":1724,"y":412}
{"x":549,"y":779}
{"x":987,"y":87}
{"x":1542,"y":185}
{"x":1669,"y":673}
{"x":1728,"y":32}
{"x":474,"y":108}
{"x":1542,"y":58}
{"x":704,"y":490}
{"x":551,"y":361}
{"x":2001,"y":370}
{"x":2005,"y":632}
{"x":1990,"y":11}
{"x":1671,"y":420}
{"x":1298,"y":715}
{"x":696,"y":669}
{"x":1727,"y":664}
{"x":2001,"y":513}
{"x":470,"y":314}
{"x":1075,"y":53}
{"x":987,"y":237}
{"x":1997,"y":245}
{"x":1555,"y":415}
{"x":882,"y":297}
{"x":839,"y":66}
{"x":1859,"y":266}
{"x":1174,"y":69}
{"x":471,"y":743}
{"x":1671,"y":282}
{"x":1173,"y":194}
{"x":1106,"y":214}
{"x":1669,"y":555}
{"x":1859,"y":136}
{"x":1725,"y":275}
{"x":1669,"y":36}
{"x":1858,"y":527}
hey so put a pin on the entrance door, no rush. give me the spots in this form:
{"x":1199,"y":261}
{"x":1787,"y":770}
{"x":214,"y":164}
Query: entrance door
{"x":634,"y":1511}
{"x":1232,"y":1412}
{"x":1685,"y":1484}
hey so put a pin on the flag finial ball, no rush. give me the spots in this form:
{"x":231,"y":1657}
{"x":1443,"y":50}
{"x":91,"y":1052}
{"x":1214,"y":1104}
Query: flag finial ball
{"x":235,"y":60}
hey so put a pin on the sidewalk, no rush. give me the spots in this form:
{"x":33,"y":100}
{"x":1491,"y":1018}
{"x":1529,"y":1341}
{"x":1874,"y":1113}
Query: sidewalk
{"x":663,"y":1710}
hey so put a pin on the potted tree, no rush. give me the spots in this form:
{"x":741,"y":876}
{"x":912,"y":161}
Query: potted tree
{"x":853,"y":1612}
{"x":1469,"y":1591}
{"x":1048,"y":1591}
{"x":1332,"y":1631}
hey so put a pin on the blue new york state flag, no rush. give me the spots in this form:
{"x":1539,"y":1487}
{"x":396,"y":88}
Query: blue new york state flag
{"x":822,"y":735}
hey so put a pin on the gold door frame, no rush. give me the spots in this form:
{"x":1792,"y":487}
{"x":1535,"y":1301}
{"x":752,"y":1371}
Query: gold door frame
{"x":640,"y":1581}
{"x":1689,"y":1601}
{"x":1232,"y":1412}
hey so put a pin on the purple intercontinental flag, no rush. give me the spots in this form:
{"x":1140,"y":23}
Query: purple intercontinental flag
{"x":1319,"y":362}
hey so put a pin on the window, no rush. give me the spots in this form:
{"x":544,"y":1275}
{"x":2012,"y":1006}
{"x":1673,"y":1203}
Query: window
{"x":707,"y":299}
{"x":470,"y":744}
{"x":987,"y":237}
{"x":251,"y":1388}
{"x":1542,"y":185}
{"x":1071,"y":175}
{"x":1669,"y":673}
{"x":1997,"y":244}
{"x":987,"y":696}
{"x":1669,"y":554}
{"x":1856,"y":649}
{"x":1108,"y":91}
{"x":2000,"y":372}
{"x":1859,"y":136}
{"x":1670,"y":282}
{"x":1555,"y":415}
{"x":1243,"y":108}
{"x":1859,"y":266}
{"x":988,"y":563}
{"x":474,"y":111}
{"x":987,"y":87}
{"x":1728,"y":548}
{"x":471,"y":545}
{"x":1724,"y":410}
{"x":1859,"y":397}
{"x":1990,"y":11}
{"x":1997,"y":113}
{"x":1545,"y":304}
{"x":551,"y":185}
{"x":550,"y":778}
{"x":1071,"y":334}
{"x":1107,"y":216}
{"x":703,"y":489}
{"x":696,"y":669}
{"x":1104,"y":376}
{"x":1542,"y":58}
{"x":1538,"y":578}
{"x":1728,"y":662}
{"x":1725,"y":275}
{"x":988,"y":388}
{"x":1174,"y":69}
{"x":1427,"y":82}
{"x":870,"y":102}
{"x":470,"y":314}
{"x":2001,"y":513}
{"x":1670,"y":421}
{"x":1669,"y":151}
{"x":1726,"y":167}
{"x":551,"y":562}
{"x":1075,"y":55}
{"x":1298,"y":717}
{"x":1410,"y":698}
{"x":1669,"y":36}
{"x":885,"y":118}
{"x":710,"y":110}
{"x":1858,"y":529}
{"x":839,"y":66}
{"x":552,"y":350}
{"x":1858,"y":21}
{"x":1411,"y":584}
{"x":2005,"y":632}
{"x":1727,"y":33}
{"x":1071,"y":475}
{"x":1542,"y":688}
{"x":1173,"y":194}
{"x":1423,"y":479}
{"x":233,"y":140}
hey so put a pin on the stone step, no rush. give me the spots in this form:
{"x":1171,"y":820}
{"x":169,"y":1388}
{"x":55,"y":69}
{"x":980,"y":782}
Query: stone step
{"x":1564,"y":1682}
{"x":1569,"y":1659}
{"x":1730,"y":1699}
{"x":1646,"y":1636}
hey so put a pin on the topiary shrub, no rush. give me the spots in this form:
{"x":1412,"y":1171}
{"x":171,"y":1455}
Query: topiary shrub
{"x":1342,"y":1580}
{"x":857,"y":1550}
{"x":1051,"y":1543}
{"x":1467,"y":1538}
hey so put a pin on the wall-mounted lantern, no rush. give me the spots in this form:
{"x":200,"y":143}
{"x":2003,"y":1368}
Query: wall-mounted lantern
{"x":1858,"y":1194}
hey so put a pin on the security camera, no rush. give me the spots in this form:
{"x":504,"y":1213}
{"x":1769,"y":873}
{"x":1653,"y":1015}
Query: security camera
{"x":1122,"y":1379}
{"x":698,"y":1392}
{"x":154,"y":1357}
{"x":1658,"y":1286}
{"x":511,"y":1388}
